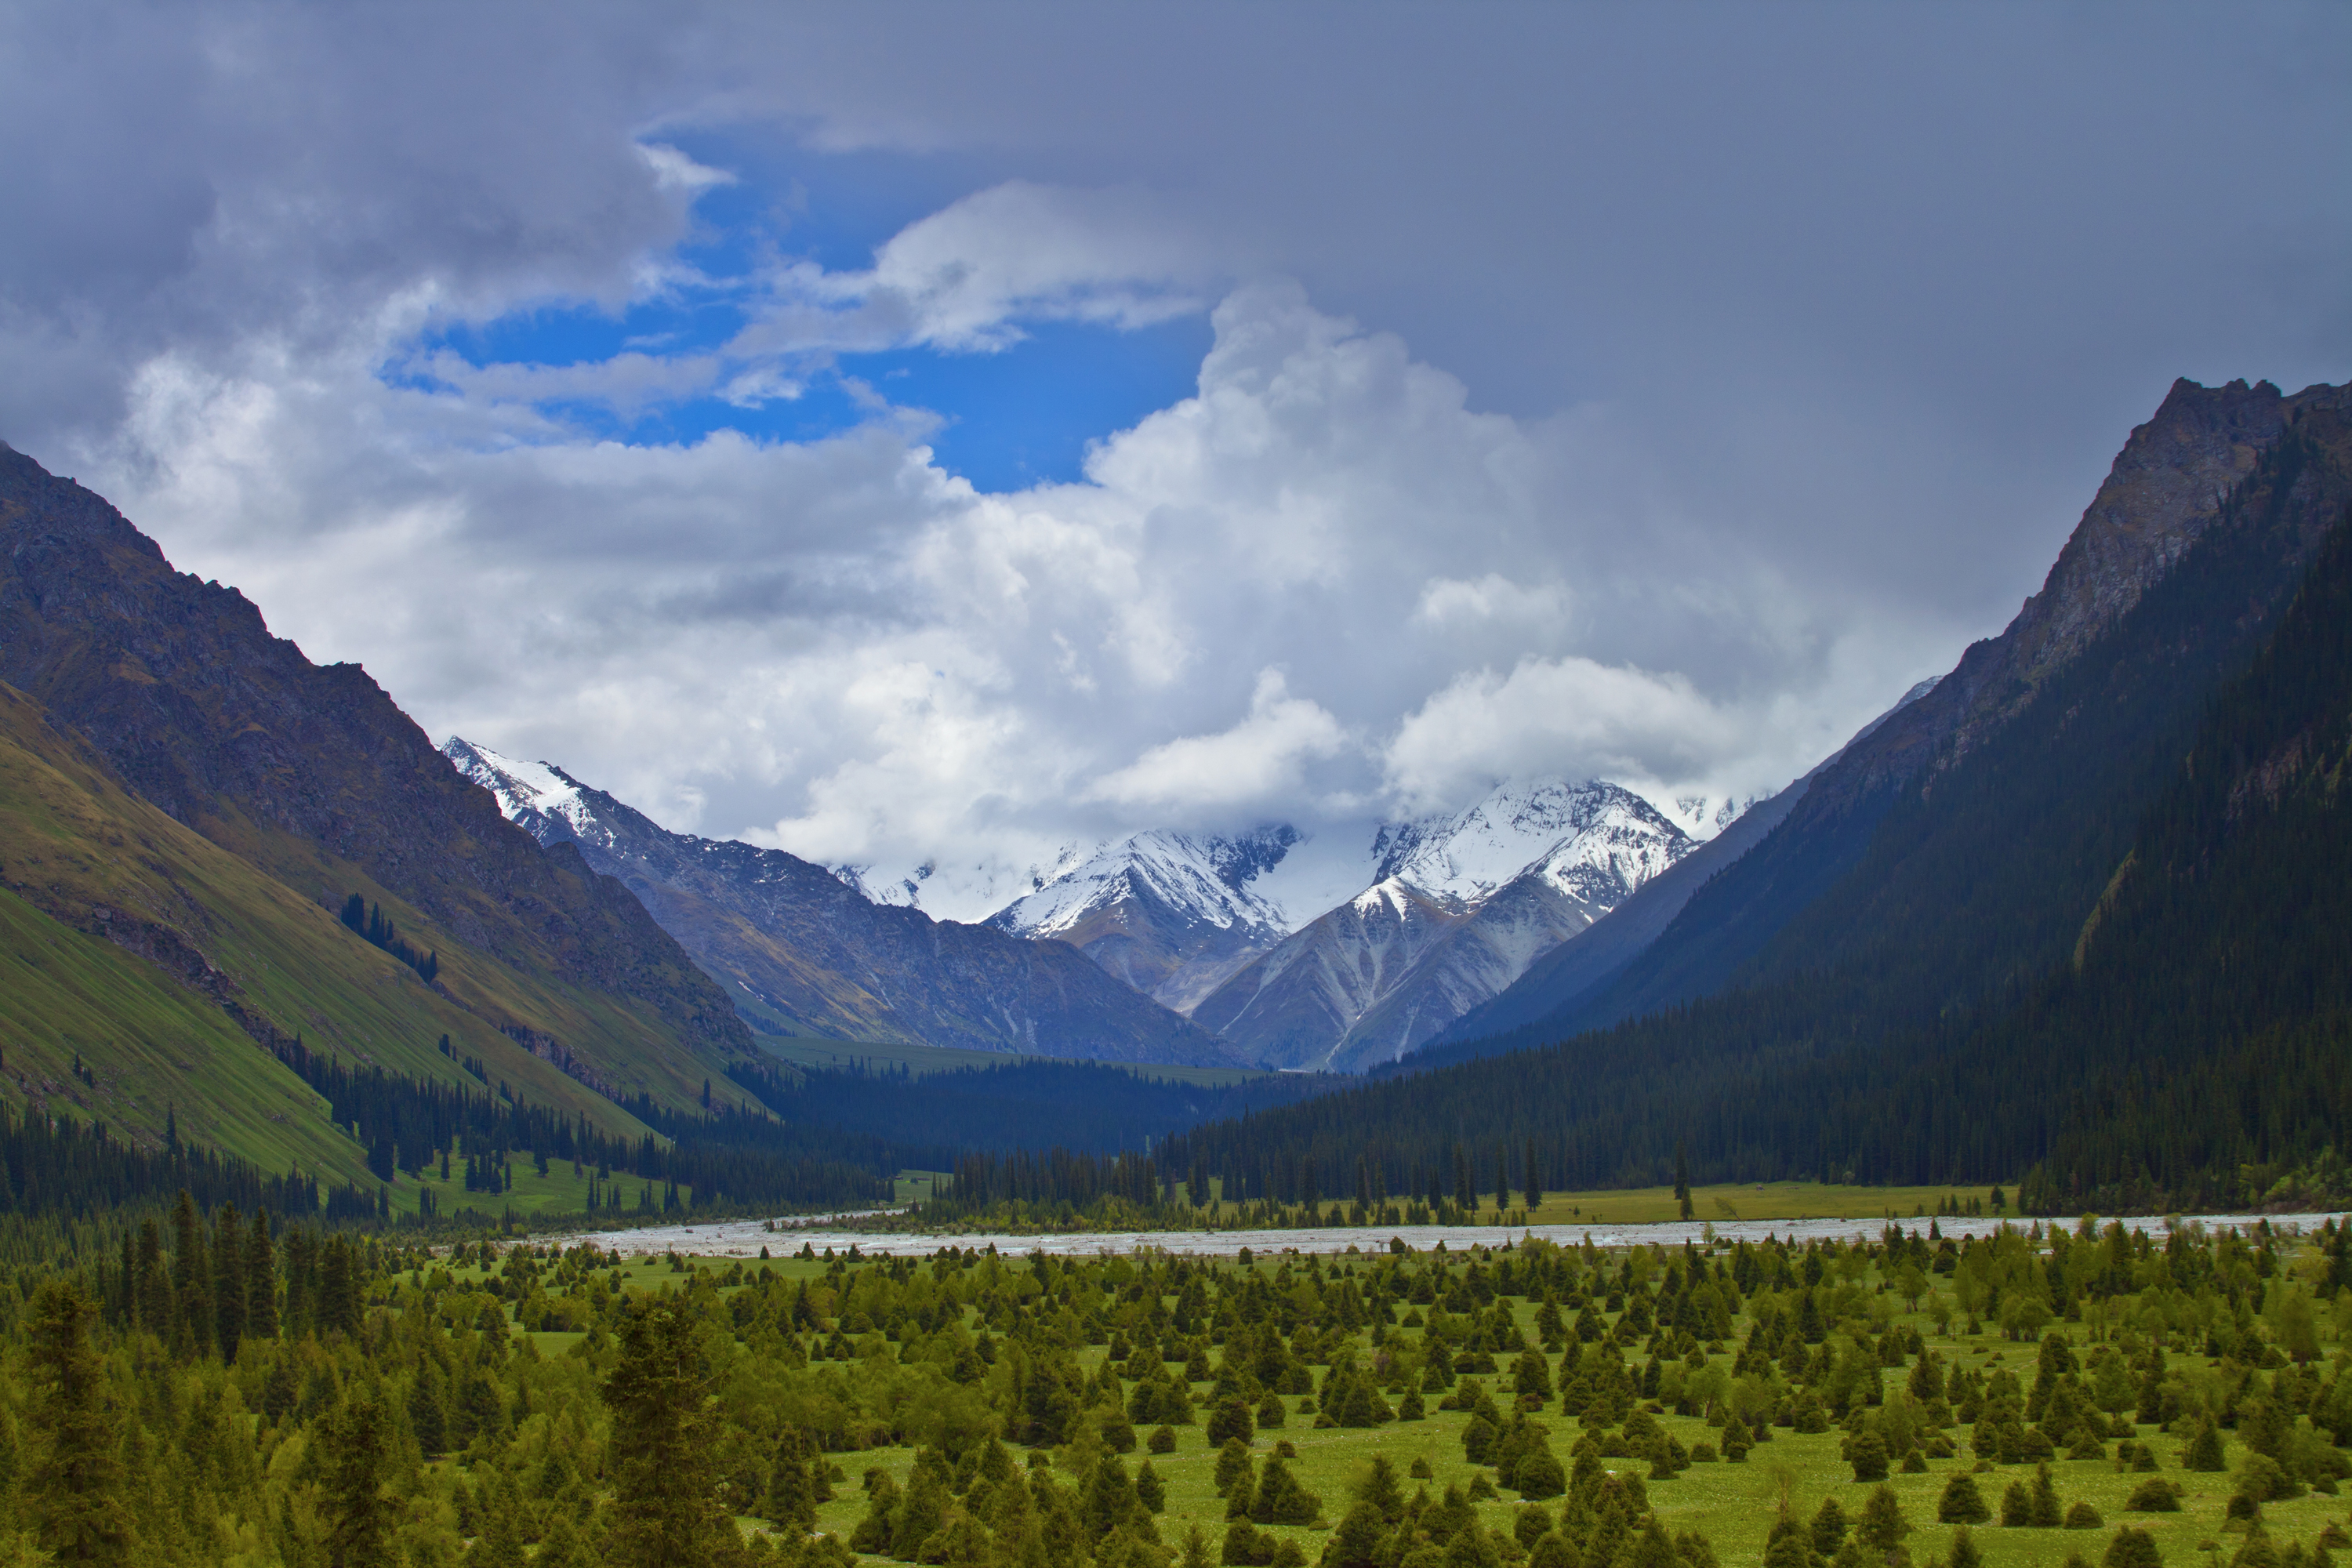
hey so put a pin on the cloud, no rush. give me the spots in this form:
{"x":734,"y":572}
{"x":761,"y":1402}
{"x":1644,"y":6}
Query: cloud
{"x":1584,"y":395}
{"x":1549,"y":718}
{"x":1258,"y":762}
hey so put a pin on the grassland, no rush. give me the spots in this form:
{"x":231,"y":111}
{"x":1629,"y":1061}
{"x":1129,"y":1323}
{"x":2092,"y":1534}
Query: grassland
{"x":923,"y":1060}
{"x":1733,"y":1504}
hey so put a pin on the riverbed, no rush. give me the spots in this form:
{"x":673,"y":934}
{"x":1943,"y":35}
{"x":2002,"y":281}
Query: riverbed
{"x":837,"y":1234}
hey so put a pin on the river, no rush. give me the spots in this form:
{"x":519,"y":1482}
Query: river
{"x":839,"y":1233}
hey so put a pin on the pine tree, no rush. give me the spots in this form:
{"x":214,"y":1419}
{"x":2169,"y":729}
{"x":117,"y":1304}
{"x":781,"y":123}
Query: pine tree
{"x":1682,"y":1179}
{"x":75,"y":1490}
{"x":153,"y":1288}
{"x":339,"y":1299}
{"x":192,"y":1285}
{"x":1534,"y":1177}
{"x":260,"y":1281}
{"x":665,"y":1513}
{"x":228,"y":1282}
{"x":359,"y":1534}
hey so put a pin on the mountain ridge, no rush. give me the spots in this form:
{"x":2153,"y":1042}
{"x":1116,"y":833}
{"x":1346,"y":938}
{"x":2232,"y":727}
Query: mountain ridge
{"x":312,"y":777}
{"x":1170,"y":913}
{"x":820,"y":956}
{"x":1462,"y":904}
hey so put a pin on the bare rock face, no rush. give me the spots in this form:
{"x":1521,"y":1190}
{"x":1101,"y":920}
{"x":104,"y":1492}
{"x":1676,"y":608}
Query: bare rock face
{"x":2166,"y":486}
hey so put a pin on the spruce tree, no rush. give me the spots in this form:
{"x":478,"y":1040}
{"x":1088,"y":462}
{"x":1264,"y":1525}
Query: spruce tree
{"x":75,"y":1490}
{"x":191,"y":1284}
{"x":260,"y":1281}
{"x":359,"y":1514}
{"x":665,"y":1513}
{"x":1534,"y":1177}
{"x":228,"y":1282}
{"x":153,"y":1288}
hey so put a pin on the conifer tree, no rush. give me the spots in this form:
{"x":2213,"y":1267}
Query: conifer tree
{"x":665,"y":1513}
{"x":260,"y":1281}
{"x":359,"y":1534}
{"x":75,"y":1490}
{"x":228,"y":1282}
{"x":152,"y":1289}
{"x":192,"y":1285}
{"x":1534,"y":1177}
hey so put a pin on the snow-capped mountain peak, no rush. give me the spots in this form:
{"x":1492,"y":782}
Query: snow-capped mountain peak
{"x":524,"y":790}
{"x":1171,"y":913}
{"x":1567,"y":831}
{"x":1202,"y":880}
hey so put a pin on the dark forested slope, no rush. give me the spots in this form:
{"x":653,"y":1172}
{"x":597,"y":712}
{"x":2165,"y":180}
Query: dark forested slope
{"x":1923,"y":1018}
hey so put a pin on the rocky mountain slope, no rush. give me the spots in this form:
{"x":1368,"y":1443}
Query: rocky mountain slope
{"x":2171,"y":483}
{"x":1172,"y":914}
{"x":196,"y":793}
{"x":805,"y":953}
{"x":1461,"y":905}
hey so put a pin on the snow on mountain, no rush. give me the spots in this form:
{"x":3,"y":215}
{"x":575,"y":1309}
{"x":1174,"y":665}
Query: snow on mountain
{"x":1171,"y":913}
{"x":1460,"y":906}
{"x":524,"y":790}
{"x":804,"y":953}
{"x":1579,"y":836}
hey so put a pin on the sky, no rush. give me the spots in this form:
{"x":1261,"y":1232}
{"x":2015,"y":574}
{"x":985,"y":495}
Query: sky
{"x":922,"y":438}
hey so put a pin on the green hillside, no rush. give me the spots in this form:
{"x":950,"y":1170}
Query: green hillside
{"x":130,"y":938}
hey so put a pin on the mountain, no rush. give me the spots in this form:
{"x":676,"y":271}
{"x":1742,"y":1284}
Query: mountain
{"x":806,"y":953}
{"x":2166,"y":487}
{"x":1460,"y":906}
{"x":1573,"y":971}
{"x":189,"y":803}
{"x":1170,"y":915}
{"x":2094,"y":927}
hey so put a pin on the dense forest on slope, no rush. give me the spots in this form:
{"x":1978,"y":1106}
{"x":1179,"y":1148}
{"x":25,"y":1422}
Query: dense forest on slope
{"x":1934,"y":1026}
{"x":1805,"y":892}
{"x":1081,"y":1106}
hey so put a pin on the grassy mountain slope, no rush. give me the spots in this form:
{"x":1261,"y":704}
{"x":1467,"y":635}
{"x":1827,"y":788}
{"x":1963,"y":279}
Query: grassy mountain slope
{"x":153,"y":1047}
{"x":207,"y":935}
{"x":314,"y":779}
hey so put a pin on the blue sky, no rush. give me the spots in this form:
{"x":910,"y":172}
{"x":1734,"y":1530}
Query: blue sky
{"x":1007,"y":418}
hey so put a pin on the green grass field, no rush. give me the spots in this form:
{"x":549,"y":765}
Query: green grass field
{"x":923,"y":1060}
{"x":1733,"y":1504}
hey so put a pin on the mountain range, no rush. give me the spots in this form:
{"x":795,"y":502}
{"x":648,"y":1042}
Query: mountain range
{"x":1459,"y":906}
{"x":1172,"y":914}
{"x":804,"y":953}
